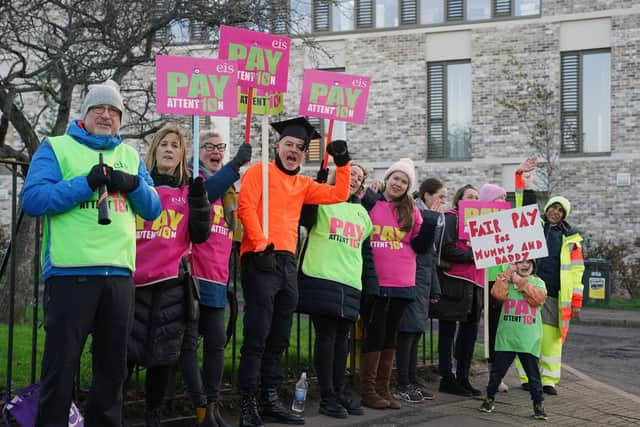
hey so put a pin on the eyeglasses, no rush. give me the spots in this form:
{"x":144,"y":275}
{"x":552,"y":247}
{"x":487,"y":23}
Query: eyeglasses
{"x":100,"y":109}
{"x":214,"y":147}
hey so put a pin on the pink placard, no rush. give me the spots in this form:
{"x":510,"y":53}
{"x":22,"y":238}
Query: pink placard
{"x":471,"y":208}
{"x":196,"y":86}
{"x":336,"y":96}
{"x":263,"y":59}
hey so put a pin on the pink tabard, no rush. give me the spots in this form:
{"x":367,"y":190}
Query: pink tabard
{"x":210,"y":260}
{"x":161,"y":243}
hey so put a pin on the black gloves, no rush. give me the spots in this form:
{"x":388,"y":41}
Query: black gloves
{"x":99,"y":175}
{"x":265,"y":260}
{"x":122,"y":182}
{"x":339,"y":152}
{"x":243,"y":156}
{"x":196,"y":187}
{"x":322,"y":175}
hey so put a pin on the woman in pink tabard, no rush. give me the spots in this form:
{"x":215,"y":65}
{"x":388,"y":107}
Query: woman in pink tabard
{"x":460,"y":303}
{"x":159,"y":320}
{"x":398,"y":234}
{"x":210,"y":266}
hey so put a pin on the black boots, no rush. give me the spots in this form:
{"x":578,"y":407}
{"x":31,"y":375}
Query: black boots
{"x":152,"y":417}
{"x":214,"y":409}
{"x":330,"y":407}
{"x":449,"y":384}
{"x":272,"y":409}
{"x":249,"y":416}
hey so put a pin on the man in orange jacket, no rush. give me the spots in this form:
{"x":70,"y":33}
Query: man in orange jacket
{"x":269,"y":276}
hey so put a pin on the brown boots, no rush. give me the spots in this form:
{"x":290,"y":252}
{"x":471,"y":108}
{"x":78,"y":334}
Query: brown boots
{"x":375,"y":375}
{"x":383,"y":380}
{"x":368,"y":373}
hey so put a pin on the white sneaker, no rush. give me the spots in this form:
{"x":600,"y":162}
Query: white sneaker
{"x":503,"y":387}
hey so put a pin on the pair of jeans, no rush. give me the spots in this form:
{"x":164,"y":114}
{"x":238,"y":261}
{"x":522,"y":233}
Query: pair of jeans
{"x":407,"y":357}
{"x":330,"y":352}
{"x":500,"y":366}
{"x":465,"y":341}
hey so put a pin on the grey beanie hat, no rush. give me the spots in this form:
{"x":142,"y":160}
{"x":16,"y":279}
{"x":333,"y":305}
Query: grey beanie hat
{"x":104,"y":93}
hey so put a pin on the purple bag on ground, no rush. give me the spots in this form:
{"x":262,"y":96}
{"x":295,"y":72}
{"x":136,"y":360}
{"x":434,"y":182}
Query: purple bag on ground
{"x":23,"y":408}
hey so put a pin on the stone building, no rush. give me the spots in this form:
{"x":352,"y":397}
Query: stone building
{"x":437,"y":69}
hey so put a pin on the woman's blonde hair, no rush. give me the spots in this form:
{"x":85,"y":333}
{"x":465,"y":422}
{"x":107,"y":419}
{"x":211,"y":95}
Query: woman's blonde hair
{"x":182,"y":170}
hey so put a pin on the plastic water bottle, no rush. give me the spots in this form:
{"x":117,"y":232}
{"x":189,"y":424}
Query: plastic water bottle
{"x":300,"y":394}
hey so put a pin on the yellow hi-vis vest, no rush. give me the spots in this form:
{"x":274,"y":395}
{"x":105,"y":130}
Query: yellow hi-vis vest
{"x":75,"y":238}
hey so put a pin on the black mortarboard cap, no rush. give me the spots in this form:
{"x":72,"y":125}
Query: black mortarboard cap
{"x":298,"y":128}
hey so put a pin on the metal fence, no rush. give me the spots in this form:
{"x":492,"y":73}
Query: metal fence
{"x":293,"y":361}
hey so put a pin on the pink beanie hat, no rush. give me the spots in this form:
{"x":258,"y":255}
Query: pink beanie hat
{"x":490,"y":192}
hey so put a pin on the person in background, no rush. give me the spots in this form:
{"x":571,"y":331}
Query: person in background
{"x":519,"y":331}
{"x":398,"y":235}
{"x":87,"y":266}
{"x":460,"y":302}
{"x":335,"y":269}
{"x":209,"y":262}
{"x":431,"y":201}
{"x":268,"y":264}
{"x":161,"y":275}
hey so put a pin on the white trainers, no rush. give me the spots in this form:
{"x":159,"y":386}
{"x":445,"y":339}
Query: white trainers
{"x":503,"y":387}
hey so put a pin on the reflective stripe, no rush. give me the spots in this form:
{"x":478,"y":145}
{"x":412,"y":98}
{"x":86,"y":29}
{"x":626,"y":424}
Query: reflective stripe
{"x":565,"y":268}
{"x":577,"y":291}
{"x":579,"y":262}
{"x":566,"y":304}
{"x":550,"y":374}
{"x":551,"y":359}
{"x":565,"y":323}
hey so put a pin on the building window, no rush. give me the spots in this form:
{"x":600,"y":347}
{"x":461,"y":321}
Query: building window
{"x":449,"y":110}
{"x":586,"y":102}
{"x":478,"y":9}
{"x":526,"y":7}
{"x":431,"y":11}
{"x":343,"y":15}
{"x":387,"y":13}
{"x":301,"y":16}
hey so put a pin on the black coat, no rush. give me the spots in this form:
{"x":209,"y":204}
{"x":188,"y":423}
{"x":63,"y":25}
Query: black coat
{"x":414,"y":318}
{"x":460,"y":300}
{"x":158,"y":325}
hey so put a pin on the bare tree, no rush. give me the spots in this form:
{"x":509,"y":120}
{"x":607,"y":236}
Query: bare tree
{"x":51,"y":50}
{"x":534,"y":102}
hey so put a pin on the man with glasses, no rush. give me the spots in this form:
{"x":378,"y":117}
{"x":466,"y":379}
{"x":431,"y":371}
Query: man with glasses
{"x":87,"y":266}
{"x":269,"y":275}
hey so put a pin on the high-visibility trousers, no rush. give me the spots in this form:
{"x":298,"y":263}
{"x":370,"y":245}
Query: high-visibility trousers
{"x":550,"y":357}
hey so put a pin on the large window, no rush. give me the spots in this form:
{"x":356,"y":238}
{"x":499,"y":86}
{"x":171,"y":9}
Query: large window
{"x":386,"y":13}
{"x":342,"y":15}
{"x":449,"y":110}
{"x":431,"y":11}
{"x":301,"y":15}
{"x":478,"y":9}
{"x":586,"y":102}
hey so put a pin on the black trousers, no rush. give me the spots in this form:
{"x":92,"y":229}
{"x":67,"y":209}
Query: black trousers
{"x":494,"y":318}
{"x":205,"y":388}
{"x":380,"y":319}
{"x":270,"y":299}
{"x":74,"y":307}
{"x":330,"y":352}
{"x":407,"y":357}
{"x":500,"y":366}
{"x":465,"y":341}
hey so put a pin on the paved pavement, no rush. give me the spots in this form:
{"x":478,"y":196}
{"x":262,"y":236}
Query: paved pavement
{"x":581,"y":400}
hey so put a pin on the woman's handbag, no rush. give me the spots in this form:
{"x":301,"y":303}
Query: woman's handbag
{"x":191,"y":294}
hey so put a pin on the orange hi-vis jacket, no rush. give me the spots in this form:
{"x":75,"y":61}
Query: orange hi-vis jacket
{"x":287,"y":194}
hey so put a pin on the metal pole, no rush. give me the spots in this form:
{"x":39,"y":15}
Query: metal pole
{"x":36,"y":301}
{"x":235,"y":250}
{"x":310,"y":352}
{"x":12,"y":276}
{"x":431,"y":339}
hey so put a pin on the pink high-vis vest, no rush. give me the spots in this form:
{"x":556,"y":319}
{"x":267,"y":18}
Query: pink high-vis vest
{"x":161,"y":243}
{"x":393,"y":256}
{"x":210,"y":259}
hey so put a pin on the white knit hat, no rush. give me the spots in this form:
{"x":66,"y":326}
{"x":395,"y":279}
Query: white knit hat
{"x":104,"y":93}
{"x":404,"y":165}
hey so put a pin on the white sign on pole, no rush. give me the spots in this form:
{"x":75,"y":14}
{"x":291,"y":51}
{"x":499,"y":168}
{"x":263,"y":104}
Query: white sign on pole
{"x":507,"y":236}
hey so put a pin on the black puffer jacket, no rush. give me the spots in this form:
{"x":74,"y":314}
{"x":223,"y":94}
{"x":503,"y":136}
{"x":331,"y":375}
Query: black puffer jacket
{"x":159,"y":317}
{"x":414,"y":318}
{"x":460,"y":300}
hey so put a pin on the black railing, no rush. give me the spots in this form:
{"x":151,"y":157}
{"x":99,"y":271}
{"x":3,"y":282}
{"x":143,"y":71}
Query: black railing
{"x":302,"y":322}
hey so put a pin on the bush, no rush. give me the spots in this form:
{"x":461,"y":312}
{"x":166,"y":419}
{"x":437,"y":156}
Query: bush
{"x":624,"y":259}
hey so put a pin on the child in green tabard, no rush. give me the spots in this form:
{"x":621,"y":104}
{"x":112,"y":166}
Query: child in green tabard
{"x":519,"y":331}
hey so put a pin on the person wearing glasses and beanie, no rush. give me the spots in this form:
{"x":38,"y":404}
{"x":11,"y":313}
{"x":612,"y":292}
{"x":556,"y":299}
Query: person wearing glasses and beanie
{"x":87,"y":266}
{"x":268,"y":264}
{"x":209,"y":262}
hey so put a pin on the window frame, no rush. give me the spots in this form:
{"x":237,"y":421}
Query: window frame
{"x":579,"y":151}
{"x":445,"y":117}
